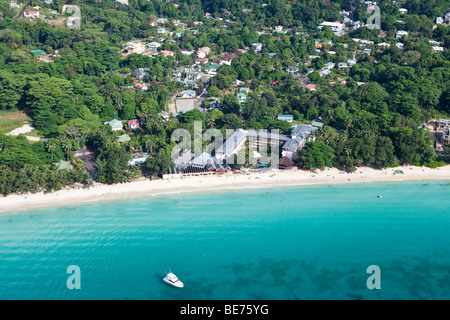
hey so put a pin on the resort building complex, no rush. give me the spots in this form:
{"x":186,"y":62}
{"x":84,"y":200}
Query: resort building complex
{"x":257,"y":142}
{"x":443,"y":127}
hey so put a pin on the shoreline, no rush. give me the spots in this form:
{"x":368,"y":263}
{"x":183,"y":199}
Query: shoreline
{"x":276,"y":178}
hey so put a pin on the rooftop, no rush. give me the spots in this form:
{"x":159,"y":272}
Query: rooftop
{"x":298,"y":136}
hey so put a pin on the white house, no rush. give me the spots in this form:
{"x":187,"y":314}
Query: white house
{"x":186,"y":94}
{"x":203,"y":52}
{"x":166,"y":53}
{"x":434,"y":43}
{"x":31,"y":14}
{"x":116,"y":125}
{"x":278,"y":28}
{"x":153,"y":45}
{"x":357,"y":24}
{"x":291,"y":69}
{"x":384,"y":45}
{"x":163,"y":31}
{"x":400,"y":34}
{"x":14,"y":5}
{"x":161,"y":20}
{"x":186,"y":52}
{"x":257,"y":46}
{"x":333,"y":26}
{"x":137,"y":161}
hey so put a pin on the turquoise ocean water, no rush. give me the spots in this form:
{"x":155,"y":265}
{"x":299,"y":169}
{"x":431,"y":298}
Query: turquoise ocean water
{"x":310,"y":242}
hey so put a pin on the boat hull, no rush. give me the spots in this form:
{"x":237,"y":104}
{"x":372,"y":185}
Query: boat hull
{"x":177,"y":284}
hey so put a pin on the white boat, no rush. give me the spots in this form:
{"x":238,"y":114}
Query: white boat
{"x":173,"y":280}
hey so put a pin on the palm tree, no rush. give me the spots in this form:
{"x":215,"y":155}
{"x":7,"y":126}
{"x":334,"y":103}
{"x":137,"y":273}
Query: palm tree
{"x":348,"y":123}
{"x":66,"y":145}
{"x":51,"y":147}
{"x":154,"y":124}
{"x":150,"y":142}
{"x":209,"y":121}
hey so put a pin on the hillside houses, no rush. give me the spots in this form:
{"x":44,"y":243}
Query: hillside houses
{"x":166,"y":53}
{"x":153,"y":46}
{"x":186,"y":52}
{"x":31,"y":14}
{"x":14,"y":5}
{"x":133,"y":124}
{"x":241,"y":97}
{"x":164,"y":31}
{"x":400,"y":34}
{"x":311,"y":87}
{"x":203,"y":52}
{"x":336,"y":26}
{"x":257,"y":47}
{"x":141,"y":73}
{"x":227,"y":58}
{"x":291,"y":69}
{"x":209,"y":57}
{"x":212,"y":69}
{"x":436,"y":46}
{"x":133,"y":47}
{"x":191,"y":76}
{"x":116,"y":125}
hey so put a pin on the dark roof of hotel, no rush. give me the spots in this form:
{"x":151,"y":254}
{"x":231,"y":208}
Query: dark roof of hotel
{"x":299,"y":133}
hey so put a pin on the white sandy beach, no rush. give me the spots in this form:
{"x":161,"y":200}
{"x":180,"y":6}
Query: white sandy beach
{"x":274,"y":178}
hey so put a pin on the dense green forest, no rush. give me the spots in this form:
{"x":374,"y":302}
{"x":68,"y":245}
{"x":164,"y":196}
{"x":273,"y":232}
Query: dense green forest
{"x":372,"y":114}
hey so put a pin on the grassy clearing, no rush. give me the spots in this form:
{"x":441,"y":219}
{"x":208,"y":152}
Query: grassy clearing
{"x":12,"y":120}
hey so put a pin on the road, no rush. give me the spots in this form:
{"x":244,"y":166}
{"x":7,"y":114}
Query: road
{"x":201,"y":98}
{"x":23,"y":10}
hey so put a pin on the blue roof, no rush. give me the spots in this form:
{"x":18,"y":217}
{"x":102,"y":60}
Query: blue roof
{"x":285,"y":117}
{"x":115,"y":123}
{"x":188,"y":92}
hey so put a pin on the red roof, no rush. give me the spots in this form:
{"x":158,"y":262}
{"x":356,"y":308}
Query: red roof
{"x":275,"y":82}
{"x":133,"y":122}
{"x":229,"y":56}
